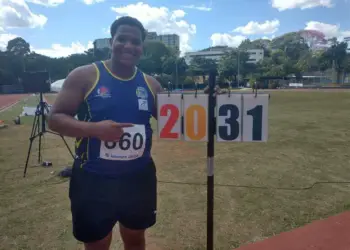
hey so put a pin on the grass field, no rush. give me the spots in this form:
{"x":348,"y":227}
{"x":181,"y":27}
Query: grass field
{"x":309,"y":141}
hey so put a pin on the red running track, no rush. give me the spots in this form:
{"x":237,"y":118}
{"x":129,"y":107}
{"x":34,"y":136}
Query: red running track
{"x":8,"y":100}
{"x":328,"y":234}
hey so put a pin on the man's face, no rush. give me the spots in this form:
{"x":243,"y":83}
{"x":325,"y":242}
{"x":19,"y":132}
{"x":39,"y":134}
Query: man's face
{"x":127,"y":45}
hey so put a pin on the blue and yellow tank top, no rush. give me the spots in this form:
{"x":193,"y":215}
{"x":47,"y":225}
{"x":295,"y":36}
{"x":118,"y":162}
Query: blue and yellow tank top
{"x":123,"y":101}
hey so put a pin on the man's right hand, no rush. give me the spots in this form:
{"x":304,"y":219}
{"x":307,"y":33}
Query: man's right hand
{"x":108,"y":130}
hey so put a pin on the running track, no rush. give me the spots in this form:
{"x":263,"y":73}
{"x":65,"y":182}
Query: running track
{"x":329,"y":234}
{"x":9,"y":100}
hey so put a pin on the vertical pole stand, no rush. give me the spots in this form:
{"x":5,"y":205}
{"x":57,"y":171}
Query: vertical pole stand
{"x":210,"y":162}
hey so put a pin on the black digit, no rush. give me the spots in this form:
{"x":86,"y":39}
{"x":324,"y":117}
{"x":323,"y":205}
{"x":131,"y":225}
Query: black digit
{"x":124,"y":143}
{"x":231,"y":121}
{"x":134,"y":141}
{"x":110,"y":145}
{"x":256,"y":113}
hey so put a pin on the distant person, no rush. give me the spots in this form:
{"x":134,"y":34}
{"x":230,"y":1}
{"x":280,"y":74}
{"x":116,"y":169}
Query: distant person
{"x":113,"y":176}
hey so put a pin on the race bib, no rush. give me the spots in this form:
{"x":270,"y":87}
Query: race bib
{"x":130,"y":146}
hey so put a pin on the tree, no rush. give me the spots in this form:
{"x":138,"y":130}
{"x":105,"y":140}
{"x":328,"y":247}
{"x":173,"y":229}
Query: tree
{"x":336,"y":56}
{"x":18,"y":47}
{"x":347,"y":64}
{"x":155,"y":53}
{"x":201,"y":66}
{"x":234,"y":61}
{"x":293,"y":44}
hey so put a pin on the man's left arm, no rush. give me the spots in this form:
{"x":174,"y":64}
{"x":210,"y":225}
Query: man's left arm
{"x":156,"y":88}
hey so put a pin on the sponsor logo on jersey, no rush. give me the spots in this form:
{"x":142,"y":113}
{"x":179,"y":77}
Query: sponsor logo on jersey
{"x":103,"y":92}
{"x":141,"y":92}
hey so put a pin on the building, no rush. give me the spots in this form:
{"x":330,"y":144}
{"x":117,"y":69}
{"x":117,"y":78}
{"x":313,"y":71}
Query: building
{"x":102,"y":43}
{"x":213,"y":53}
{"x":217,"y":52}
{"x":255,"y":55}
{"x":151,"y":36}
{"x":170,"y":40}
{"x":347,"y":39}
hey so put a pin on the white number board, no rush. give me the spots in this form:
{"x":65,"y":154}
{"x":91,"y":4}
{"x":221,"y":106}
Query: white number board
{"x":169,"y":116}
{"x":196,"y":117}
{"x":255,"y":117}
{"x":228,"y":118}
{"x":239,"y":117}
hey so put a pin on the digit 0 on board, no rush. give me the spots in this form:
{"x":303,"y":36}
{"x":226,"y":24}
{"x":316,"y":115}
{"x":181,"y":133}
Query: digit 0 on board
{"x":196,"y":117}
{"x":169,"y":116}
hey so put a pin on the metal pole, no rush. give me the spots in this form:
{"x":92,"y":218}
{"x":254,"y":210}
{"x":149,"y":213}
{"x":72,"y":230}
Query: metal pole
{"x":238,"y":59}
{"x":210,"y":163}
{"x":177,"y":76}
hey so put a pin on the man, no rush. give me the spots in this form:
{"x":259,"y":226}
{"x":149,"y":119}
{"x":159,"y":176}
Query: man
{"x":113,"y":177}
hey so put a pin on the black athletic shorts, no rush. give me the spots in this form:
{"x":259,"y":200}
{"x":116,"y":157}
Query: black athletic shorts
{"x":98,"y":202}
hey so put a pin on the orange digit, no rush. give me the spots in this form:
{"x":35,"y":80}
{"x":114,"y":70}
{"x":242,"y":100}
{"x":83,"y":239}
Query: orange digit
{"x":174,"y":116}
{"x":191,"y":113}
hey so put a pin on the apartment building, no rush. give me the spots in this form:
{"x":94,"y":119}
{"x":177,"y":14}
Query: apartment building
{"x":171,"y":40}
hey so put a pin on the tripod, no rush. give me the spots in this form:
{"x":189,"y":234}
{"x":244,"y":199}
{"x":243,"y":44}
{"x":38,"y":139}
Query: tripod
{"x":39,"y":129}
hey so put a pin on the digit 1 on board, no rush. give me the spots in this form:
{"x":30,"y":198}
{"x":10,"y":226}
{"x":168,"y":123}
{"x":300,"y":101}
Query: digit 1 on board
{"x":169,"y":116}
{"x":255,"y":117}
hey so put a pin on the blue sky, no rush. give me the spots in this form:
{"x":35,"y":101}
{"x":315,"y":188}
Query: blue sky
{"x":62,"y":27}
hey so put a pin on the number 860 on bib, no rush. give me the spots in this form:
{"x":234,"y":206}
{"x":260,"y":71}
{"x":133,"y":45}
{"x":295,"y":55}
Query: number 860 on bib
{"x":239,"y":117}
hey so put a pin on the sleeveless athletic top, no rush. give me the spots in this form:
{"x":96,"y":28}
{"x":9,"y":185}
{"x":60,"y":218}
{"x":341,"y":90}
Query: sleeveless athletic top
{"x":123,"y":101}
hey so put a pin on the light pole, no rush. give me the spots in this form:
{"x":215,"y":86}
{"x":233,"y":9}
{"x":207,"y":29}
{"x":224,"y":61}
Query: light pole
{"x":238,"y":62}
{"x":176,"y":74}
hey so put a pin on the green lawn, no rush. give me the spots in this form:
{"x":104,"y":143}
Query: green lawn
{"x":309,"y":141}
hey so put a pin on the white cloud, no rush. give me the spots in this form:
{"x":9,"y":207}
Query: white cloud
{"x":282,"y":5}
{"x":267,"y":27}
{"x":16,"y":14}
{"x":47,"y":3}
{"x":58,"y":50}
{"x":329,"y":30}
{"x":161,"y":20}
{"x":218,"y":39}
{"x":90,"y":2}
{"x":4,"y":38}
{"x":201,"y":8}
{"x":178,"y":14}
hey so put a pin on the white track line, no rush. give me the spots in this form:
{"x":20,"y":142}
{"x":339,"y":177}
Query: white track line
{"x":13,"y":104}
{"x":8,"y":107}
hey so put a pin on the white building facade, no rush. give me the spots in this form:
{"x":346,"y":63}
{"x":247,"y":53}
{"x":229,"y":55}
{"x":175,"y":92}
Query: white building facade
{"x":216,"y":53}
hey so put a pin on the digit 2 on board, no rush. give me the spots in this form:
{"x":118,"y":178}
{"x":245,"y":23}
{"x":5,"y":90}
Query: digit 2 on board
{"x":173,"y":117}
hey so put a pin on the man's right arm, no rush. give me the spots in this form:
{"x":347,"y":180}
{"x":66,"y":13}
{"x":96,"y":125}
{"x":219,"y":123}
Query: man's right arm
{"x":61,"y":118}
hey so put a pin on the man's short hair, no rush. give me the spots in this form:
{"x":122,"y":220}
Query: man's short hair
{"x":127,"y":20}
